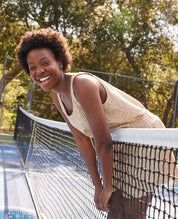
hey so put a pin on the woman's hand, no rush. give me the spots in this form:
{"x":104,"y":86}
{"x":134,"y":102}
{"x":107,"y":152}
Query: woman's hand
{"x":98,"y":191}
{"x":104,"y":199}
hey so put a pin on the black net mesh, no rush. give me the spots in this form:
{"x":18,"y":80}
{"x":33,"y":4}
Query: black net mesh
{"x":145,"y":177}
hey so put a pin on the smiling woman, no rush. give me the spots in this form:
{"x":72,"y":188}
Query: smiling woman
{"x":44,"y":69}
{"x":44,"y":38}
{"x":92,"y":108}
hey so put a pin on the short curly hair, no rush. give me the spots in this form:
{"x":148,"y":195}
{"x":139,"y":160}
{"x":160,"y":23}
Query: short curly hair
{"x":44,"y":38}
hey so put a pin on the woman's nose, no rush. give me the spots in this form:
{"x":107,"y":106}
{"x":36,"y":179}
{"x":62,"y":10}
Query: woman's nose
{"x":39,"y":70}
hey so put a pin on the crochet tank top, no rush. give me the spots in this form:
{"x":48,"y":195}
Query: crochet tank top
{"x":121,"y":110}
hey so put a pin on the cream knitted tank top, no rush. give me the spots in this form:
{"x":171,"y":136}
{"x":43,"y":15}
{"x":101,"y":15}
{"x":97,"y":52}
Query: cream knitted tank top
{"x":121,"y":110}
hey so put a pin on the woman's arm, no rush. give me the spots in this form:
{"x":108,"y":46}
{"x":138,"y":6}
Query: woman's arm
{"x":88,"y":153}
{"x":91,"y":94}
{"x":86,"y":148}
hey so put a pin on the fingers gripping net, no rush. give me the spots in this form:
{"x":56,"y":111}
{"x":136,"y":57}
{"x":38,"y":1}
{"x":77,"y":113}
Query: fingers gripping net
{"x":145,"y":177}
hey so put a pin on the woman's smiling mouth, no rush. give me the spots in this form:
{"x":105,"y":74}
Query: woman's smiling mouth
{"x":44,"y":79}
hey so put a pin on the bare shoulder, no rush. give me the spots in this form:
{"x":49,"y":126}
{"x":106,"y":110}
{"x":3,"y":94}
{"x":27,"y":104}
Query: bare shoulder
{"x":87,"y":86}
{"x":85,"y":82}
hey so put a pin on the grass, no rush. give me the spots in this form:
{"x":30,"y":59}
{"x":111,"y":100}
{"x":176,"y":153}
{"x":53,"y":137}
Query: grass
{"x":6,"y":137}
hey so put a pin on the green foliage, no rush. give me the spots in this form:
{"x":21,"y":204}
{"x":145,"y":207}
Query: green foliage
{"x":8,"y":121}
{"x":121,"y":24}
{"x":122,"y":37}
{"x":10,"y":31}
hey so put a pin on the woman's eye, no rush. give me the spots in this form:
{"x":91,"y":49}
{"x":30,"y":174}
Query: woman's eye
{"x":45,"y":63}
{"x":32,"y":68}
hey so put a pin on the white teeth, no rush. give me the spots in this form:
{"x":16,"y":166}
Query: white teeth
{"x":45,"y":78}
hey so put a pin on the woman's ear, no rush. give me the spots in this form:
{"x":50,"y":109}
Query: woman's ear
{"x":60,"y":64}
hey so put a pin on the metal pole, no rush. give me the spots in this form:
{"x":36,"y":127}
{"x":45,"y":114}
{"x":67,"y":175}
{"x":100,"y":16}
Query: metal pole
{"x":175,"y":106}
{"x":31,"y":95}
{"x":27,"y":96}
{"x":110,"y":78}
{"x":3,"y":76}
{"x":2,"y":109}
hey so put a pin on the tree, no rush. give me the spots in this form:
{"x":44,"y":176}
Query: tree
{"x":10,"y":75}
{"x":10,"y":31}
{"x":130,"y":40}
{"x":124,"y":37}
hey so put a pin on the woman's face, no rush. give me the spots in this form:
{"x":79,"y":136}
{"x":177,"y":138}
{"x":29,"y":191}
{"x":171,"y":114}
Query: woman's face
{"x":44,"y":69}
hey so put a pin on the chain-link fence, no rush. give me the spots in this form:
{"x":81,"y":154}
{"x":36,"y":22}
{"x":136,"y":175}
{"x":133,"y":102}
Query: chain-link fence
{"x":16,"y":88}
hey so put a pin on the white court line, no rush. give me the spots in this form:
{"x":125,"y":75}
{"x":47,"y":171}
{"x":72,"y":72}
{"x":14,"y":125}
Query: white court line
{"x":2,"y":205}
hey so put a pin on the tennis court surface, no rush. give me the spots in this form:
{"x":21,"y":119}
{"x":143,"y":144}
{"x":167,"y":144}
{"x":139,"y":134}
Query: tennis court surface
{"x":57,"y":182}
{"x":15,"y":198}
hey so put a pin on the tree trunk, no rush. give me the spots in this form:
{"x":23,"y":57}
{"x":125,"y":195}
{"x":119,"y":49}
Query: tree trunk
{"x":168,"y":108}
{"x":138,"y":73}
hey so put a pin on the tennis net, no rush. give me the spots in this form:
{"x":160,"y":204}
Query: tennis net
{"x":145,"y":165}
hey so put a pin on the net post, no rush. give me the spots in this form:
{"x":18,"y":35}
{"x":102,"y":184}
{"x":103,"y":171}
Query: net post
{"x":3,"y":76}
{"x":31,"y":95}
{"x":17,"y":123}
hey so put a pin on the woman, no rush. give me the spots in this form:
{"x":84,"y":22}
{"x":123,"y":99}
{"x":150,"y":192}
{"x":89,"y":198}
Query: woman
{"x":92,"y":108}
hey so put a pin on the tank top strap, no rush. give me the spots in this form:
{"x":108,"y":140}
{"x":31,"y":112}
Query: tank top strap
{"x":71,"y":84}
{"x":74,"y":101}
